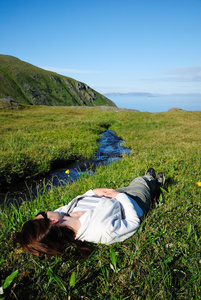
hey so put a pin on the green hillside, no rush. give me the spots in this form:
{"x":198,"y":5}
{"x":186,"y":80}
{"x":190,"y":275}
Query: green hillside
{"x":23,"y":82}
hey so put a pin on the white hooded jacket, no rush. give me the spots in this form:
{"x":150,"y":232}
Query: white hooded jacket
{"x":109,"y":221}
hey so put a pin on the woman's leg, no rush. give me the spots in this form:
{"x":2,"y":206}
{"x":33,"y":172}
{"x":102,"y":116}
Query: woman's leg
{"x":141,"y":189}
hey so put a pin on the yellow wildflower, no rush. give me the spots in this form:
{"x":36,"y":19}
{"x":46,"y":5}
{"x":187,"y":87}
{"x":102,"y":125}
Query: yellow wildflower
{"x":67,"y":171}
{"x":198,"y":183}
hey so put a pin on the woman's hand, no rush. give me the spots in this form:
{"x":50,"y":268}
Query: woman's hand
{"x":110,"y":193}
{"x":99,"y":192}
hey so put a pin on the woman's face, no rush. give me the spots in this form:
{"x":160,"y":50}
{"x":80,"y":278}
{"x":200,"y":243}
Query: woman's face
{"x":53,"y":216}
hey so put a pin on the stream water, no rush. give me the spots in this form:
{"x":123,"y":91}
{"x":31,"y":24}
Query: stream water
{"x":110,"y":149}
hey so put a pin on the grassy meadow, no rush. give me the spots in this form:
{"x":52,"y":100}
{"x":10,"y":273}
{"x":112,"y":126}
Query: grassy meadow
{"x":162,"y":260}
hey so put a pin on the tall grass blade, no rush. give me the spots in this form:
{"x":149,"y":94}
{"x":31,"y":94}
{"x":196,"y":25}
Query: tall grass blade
{"x":9,"y":279}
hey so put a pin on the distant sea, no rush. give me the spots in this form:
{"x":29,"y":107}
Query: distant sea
{"x":156,"y":102}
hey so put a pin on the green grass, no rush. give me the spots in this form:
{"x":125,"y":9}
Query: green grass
{"x":35,"y":138}
{"x":162,"y":260}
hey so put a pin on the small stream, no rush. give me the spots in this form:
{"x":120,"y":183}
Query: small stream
{"x":110,"y":149}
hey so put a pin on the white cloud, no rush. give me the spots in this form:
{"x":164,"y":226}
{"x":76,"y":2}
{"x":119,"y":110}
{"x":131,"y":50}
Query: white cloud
{"x":185,"y":74}
{"x":189,"y":71}
{"x":189,"y":74}
{"x":74,"y":71}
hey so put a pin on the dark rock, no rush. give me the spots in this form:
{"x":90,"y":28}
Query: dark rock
{"x":10,"y":100}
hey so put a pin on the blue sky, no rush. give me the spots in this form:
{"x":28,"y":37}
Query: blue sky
{"x":112,"y":45}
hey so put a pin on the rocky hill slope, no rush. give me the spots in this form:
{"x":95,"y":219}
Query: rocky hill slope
{"x":21,"y":82}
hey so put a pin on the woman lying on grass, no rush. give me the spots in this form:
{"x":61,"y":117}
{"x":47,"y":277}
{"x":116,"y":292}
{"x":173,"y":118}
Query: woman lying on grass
{"x":101,"y":215}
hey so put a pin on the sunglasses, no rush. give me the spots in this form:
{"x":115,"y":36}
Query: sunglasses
{"x":43,"y":213}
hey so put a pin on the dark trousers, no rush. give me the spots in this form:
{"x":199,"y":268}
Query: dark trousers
{"x":141,"y":189}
